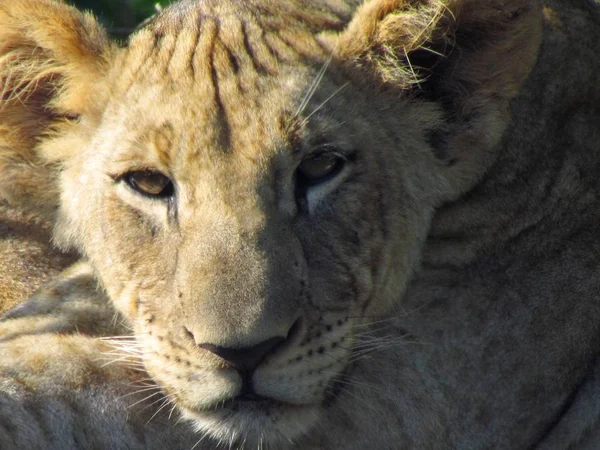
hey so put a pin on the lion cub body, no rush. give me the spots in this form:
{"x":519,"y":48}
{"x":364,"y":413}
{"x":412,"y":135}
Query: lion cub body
{"x":306,"y":224}
{"x":27,"y":259}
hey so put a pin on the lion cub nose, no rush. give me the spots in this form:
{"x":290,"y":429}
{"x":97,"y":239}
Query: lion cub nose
{"x":245,"y":359}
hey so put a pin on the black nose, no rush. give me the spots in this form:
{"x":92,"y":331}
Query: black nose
{"x":245,"y":359}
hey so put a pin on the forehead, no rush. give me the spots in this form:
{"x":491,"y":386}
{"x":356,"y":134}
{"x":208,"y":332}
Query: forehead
{"x":232,"y":77}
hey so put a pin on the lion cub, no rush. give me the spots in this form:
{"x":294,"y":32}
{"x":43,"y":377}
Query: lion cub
{"x":305,"y":224}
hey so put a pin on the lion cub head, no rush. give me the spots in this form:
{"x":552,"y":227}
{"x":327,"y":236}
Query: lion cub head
{"x":251,"y":180}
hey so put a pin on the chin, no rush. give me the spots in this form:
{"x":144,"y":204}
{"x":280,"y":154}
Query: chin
{"x":254,"y":424}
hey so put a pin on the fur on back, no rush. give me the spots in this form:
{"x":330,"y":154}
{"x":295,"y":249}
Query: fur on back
{"x":325,"y":224}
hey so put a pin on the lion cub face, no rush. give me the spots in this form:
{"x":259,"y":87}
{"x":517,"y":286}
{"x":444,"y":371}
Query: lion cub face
{"x":252,"y":182}
{"x":244,"y":211}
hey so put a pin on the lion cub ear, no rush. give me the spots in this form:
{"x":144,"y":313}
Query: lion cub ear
{"x":51,"y":58}
{"x":470,"y":57}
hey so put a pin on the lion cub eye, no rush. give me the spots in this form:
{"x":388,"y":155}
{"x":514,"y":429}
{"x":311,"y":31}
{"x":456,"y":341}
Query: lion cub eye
{"x":150,"y":183}
{"x":320,"y":167}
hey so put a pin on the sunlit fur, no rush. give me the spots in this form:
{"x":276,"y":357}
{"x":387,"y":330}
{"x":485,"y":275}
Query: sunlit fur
{"x":418,"y":290}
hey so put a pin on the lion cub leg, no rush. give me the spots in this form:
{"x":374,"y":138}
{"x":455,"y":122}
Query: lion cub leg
{"x":73,"y":391}
{"x":72,"y":302}
{"x":62,"y":386}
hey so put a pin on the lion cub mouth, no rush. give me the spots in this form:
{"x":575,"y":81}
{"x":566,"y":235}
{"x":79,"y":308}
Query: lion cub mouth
{"x":275,"y":392}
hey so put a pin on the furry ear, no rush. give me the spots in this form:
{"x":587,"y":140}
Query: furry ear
{"x":471,"y":57}
{"x":51,"y":56}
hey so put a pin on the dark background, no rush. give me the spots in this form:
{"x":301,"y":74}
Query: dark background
{"x":120,"y":16}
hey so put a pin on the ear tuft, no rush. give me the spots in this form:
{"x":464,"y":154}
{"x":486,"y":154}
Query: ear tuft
{"x":384,"y":33}
{"x":51,"y":56}
{"x":410,"y":42}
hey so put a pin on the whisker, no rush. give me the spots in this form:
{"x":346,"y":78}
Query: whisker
{"x":337,"y":378}
{"x":314,"y":86}
{"x":356,"y":397}
{"x":172,"y":410}
{"x":121,"y":348}
{"x":337,"y":91}
{"x":333,"y":357}
{"x":367,"y":353}
{"x":390,"y":319}
{"x":412,"y":70}
{"x":122,"y":337}
{"x":118,"y":360}
{"x":166,"y":402}
{"x":144,"y":399}
{"x":367,"y":338}
{"x":139,"y":382}
{"x":200,"y":440}
{"x":129,"y":394}
{"x":125,"y":345}
{"x":117,"y":319}
{"x":127,"y":349}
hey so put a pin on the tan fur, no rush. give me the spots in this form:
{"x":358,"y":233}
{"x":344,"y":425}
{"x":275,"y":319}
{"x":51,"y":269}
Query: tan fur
{"x":27,"y":258}
{"x":54,"y":51}
{"x":438,"y":291}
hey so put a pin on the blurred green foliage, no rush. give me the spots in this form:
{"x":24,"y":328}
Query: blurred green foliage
{"x":120,"y":16}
